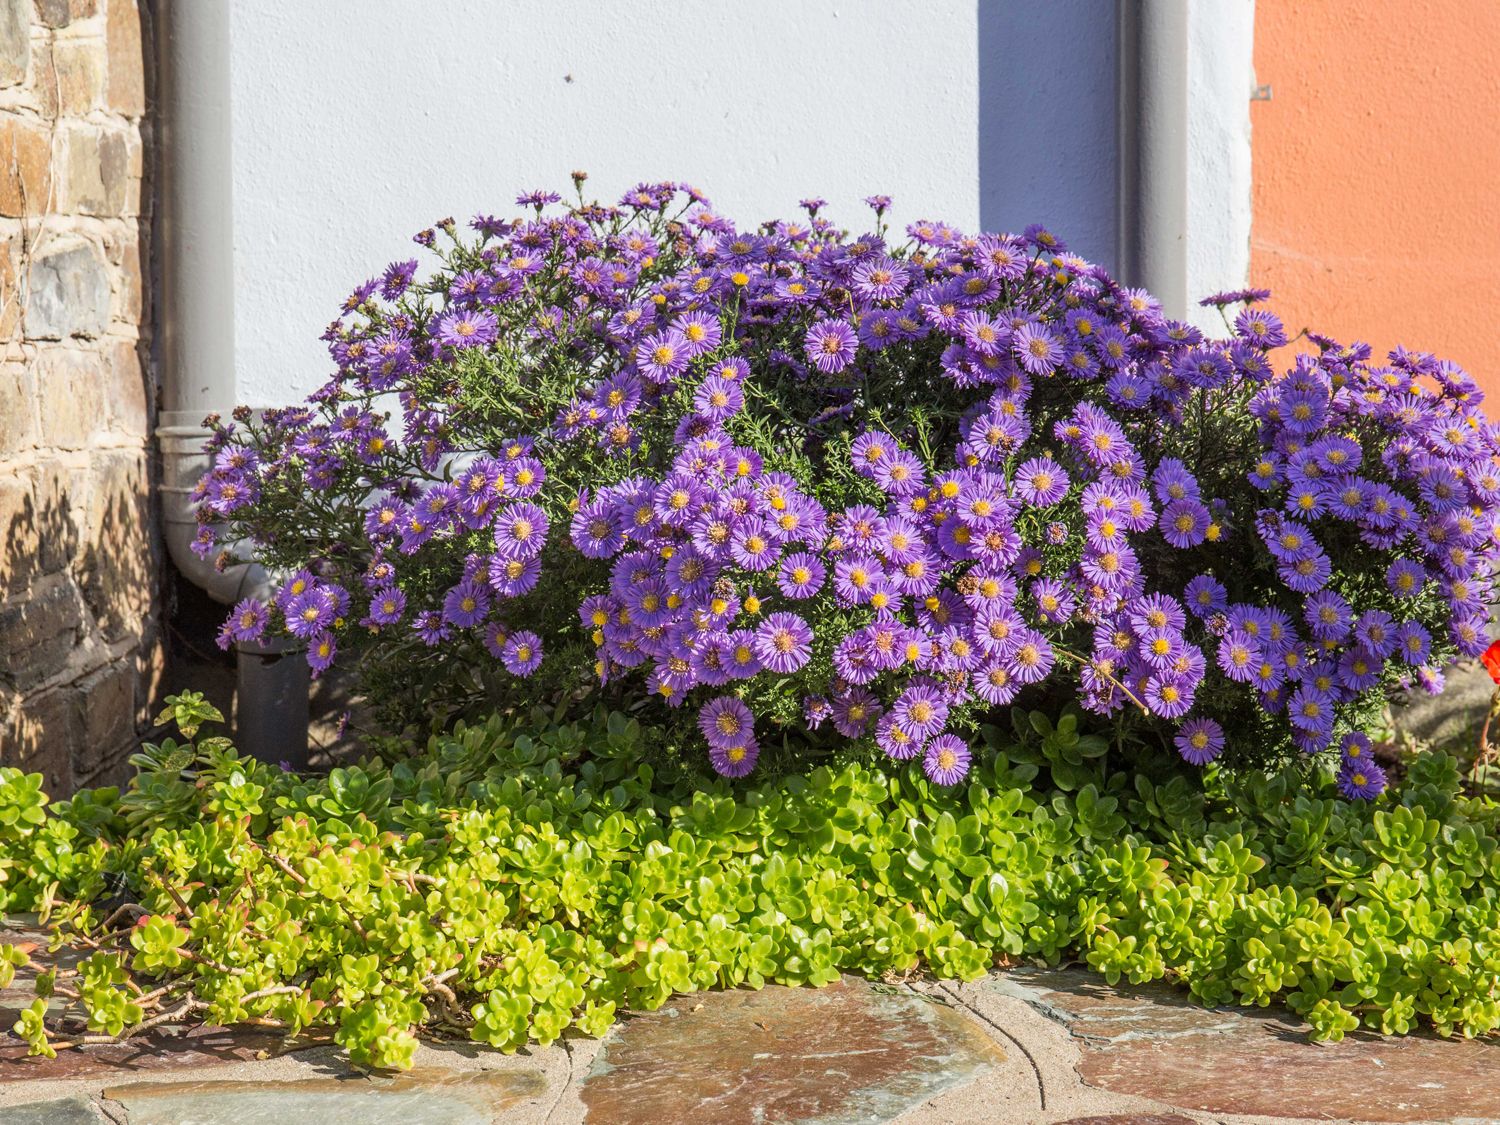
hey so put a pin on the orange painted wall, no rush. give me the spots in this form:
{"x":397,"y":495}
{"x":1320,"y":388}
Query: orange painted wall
{"x":1376,"y":170}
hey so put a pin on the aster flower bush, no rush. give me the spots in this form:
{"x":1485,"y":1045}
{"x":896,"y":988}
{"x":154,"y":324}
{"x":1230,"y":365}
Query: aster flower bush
{"x":804,"y":487}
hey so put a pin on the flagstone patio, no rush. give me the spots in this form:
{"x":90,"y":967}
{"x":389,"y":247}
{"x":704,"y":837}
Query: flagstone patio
{"x":1028,"y":1045}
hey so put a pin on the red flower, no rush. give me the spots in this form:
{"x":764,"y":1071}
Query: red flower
{"x":1491,"y":661}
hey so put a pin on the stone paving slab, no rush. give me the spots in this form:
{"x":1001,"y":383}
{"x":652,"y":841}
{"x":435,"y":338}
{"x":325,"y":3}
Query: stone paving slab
{"x":1051,"y":1047}
{"x":428,"y":1096}
{"x":1150,"y":1041}
{"x":849,"y":1052}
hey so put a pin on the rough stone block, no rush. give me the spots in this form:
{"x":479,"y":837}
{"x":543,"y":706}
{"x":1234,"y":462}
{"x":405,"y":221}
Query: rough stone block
{"x":131,"y":294}
{"x":19,"y":562}
{"x":56,"y":519}
{"x":96,"y":171}
{"x":38,"y":633}
{"x":15,"y":41}
{"x":69,"y":295}
{"x":106,"y":715}
{"x":127,"y":389}
{"x":71,"y":385}
{"x":25,"y":165}
{"x":127,"y":63}
{"x":79,"y":68}
{"x":41,"y":736}
{"x":10,"y":306}
{"x":54,"y":13}
{"x":116,"y":567}
{"x":18,"y":414}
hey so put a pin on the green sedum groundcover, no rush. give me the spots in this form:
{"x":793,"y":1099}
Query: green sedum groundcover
{"x":513,"y":880}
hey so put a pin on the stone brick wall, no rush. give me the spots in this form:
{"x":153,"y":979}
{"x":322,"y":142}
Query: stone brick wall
{"x":80,"y":636}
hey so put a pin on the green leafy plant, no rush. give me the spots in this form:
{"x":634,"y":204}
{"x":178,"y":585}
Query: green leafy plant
{"x":512,"y":880}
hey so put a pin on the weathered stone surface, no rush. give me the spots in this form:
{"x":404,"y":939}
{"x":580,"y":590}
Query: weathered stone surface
{"x":24,"y":932}
{"x":25,"y":164}
{"x":56,"y":525}
{"x":851,"y":1051}
{"x":78,"y":65}
{"x":128,"y":403}
{"x":156,"y":1050}
{"x":127,"y":63}
{"x":421,"y":1097}
{"x":60,"y":1111}
{"x":15,"y":41}
{"x":97,"y":171}
{"x":1131,"y":1119}
{"x":132,"y":298}
{"x":54,"y":13}
{"x":18,"y":415}
{"x":68,"y":296}
{"x":71,"y":383}
{"x":116,"y":565}
{"x":1150,"y":1041}
{"x":38,"y":632}
{"x":39,"y":738}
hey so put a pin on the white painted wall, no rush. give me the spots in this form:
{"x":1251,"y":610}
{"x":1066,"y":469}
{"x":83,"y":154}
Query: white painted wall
{"x":351,"y":132}
{"x":1221,"y":78}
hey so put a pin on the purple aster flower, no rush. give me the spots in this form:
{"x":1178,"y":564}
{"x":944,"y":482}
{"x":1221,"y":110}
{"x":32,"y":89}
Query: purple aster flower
{"x":663,"y":356}
{"x":1405,"y":578}
{"x":1055,"y":600}
{"x":1328,"y":616}
{"x":1029,"y":656}
{"x":830,"y":346}
{"x":321,"y":652}
{"x":983,"y":334}
{"x":1413,"y":642}
{"x":466,"y":604}
{"x":900,"y":474}
{"x":920,"y":712}
{"x":1261,"y":328}
{"x":310,"y":613}
{"x":801,"y":575}
{"x":1200,"y":741}
{"x":1041,"y":482}
{"x":1205,"y":595}
{"x":897,"y":743}
{"x":468,"y":328}
{"x":947,"y":760}
{"x":1184,"y":523}
{"x":994,"y":683}
{"x":510,"y":578}
{"x":387,"y":604}
{"x":522,"y":653}
{"x":752,"y":547}
{"x":699,"y":330}
{"x":854,"y":712}
{"x":1362,"y":781}
{"x":247,"y":621}
{"x":783,"y":642}
{"x":816,"y":710}
{"x":725,"y":721}
{"x":736,"y":760}
{"x":1376,"y":631}
{"x":1238,"y":655}
{"x":397,"y":276}
{"x":1036,"y":349}
{"x":718,"y":398}
{"x":520,"y":531}
{"x":879,"y":279}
